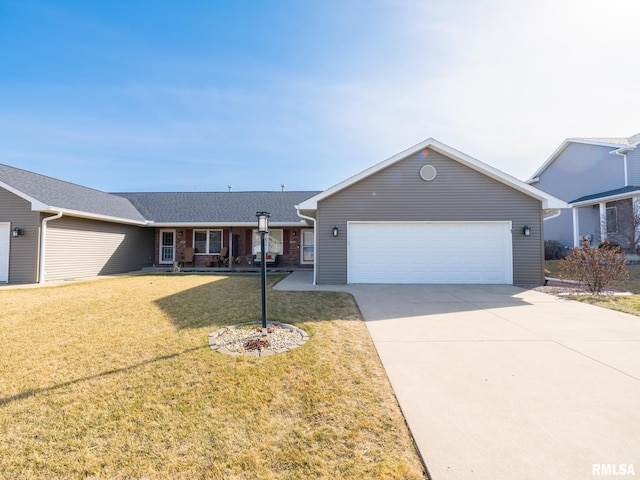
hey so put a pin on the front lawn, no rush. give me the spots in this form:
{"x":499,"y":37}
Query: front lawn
{"x":115,"y":379}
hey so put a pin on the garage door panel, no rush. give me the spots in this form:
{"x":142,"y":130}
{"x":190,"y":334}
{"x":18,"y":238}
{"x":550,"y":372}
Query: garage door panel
{"x":430,"y":252}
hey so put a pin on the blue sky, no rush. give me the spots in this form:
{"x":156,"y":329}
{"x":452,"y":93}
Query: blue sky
{"x":194,"y":96}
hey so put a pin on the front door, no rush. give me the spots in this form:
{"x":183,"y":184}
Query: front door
{"x":167,"y":246}
{"x":307,"y":246}
{"x":5,"y":242}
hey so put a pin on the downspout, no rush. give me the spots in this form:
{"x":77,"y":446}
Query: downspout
{"x":626,"y":173}
{"x":315,"y":242}
{"x":43,"y":242}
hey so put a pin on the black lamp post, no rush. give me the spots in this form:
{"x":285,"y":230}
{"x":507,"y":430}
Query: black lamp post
{"x":263,"y":228}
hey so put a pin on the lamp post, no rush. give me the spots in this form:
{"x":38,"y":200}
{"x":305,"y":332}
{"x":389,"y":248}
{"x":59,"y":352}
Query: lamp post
{"x":263,"y":228}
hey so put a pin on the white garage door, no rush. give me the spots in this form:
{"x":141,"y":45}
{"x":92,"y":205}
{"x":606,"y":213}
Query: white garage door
{"x":438,"y":252}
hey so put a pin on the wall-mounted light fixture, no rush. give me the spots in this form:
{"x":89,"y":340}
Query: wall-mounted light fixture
{"x":526,"y":231}
{"x":16,"y":232}
{"x":335,"y":231}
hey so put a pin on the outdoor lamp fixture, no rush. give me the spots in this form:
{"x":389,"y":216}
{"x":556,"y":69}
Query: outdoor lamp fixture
{"x":263,"y":228}
{"x":16,"y":232}
{"x":526,"y":231}
{"x":335,"y":231}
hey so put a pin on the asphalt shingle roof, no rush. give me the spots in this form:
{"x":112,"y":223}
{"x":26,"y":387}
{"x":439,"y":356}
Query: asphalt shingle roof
{"x":614,"y":141}
{"x":159,"y":207}
{"x":217,"y":207}
{"x":68,"y":196}
{"x":610,"y":193}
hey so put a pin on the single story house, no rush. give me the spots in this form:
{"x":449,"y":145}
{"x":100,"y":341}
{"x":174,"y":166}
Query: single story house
{"x":599,"y":178}
{"x":430,"y":214}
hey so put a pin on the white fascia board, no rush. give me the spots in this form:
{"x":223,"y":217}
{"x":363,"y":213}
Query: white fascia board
{"x":36,"y":205}
{"x":611,"y":198}
{"x":623,"y":150}
{"x":221,"y":224}
{"x":548,"y":201}
{"x":535,"y":177}
{"x":305,"y":213}
{"x":93,"y":216}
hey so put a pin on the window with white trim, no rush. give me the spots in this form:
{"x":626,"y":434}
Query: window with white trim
{"x":273,"y":241}
{"x":207,"y":242}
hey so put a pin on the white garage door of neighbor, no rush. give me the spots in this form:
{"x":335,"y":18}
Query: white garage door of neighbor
{"x":438,"y":252}
{"x":5,"y":239}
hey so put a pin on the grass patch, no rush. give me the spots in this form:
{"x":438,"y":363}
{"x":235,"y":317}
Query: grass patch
{"x":626,"y":303}
{"x":114,"y":379}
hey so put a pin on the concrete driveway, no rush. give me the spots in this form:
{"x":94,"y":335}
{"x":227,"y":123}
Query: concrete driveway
{"x":497,"y":382}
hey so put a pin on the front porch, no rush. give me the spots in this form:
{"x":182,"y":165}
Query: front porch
{"x":232,"y":248}
{"x":612,"y":216}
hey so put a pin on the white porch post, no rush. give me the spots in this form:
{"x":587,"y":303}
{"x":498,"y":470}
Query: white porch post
{"x":603,"y":222}
{"x":576,"y":227}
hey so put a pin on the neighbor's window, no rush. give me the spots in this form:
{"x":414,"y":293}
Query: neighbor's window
{"x":612,"y":219}
{"x":273,"y":242}
{"x":207,"y":241}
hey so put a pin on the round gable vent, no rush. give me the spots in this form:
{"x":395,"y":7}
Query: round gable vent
{"x":428,"y":173}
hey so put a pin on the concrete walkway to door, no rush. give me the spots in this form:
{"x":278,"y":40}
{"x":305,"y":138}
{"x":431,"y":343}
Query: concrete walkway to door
{"x":497,"y":382}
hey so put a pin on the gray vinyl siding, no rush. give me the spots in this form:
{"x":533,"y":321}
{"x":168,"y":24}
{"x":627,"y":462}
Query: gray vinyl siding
{"x":78,"y":248}
{"x":23,"y":254}
{"x":458,"y":193}
{"x":560,"y":228}
{"x":633,"y":162}
{"x":582,"y":170}
{"x":589,"y":224}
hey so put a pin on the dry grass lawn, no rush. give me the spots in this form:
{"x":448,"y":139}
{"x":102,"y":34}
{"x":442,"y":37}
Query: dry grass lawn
{"x":115,"y":379}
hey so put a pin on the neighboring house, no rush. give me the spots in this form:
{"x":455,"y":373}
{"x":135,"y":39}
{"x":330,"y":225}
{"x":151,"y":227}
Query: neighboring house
{"x":600,"y":180}
{"x":430,"y":214}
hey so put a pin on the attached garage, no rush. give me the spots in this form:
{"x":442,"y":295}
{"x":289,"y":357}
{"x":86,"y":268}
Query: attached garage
{"x":430,"y":252}
{"x":430,"y":214}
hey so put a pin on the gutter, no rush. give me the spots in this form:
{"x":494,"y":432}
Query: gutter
{"x":622,"y":152}
{"x":43,"y":243}
{"x":548,"y":215}
{"x":315,"y":241}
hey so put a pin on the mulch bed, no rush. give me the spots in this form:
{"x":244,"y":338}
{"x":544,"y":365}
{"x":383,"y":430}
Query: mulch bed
{"x":559,"y":288}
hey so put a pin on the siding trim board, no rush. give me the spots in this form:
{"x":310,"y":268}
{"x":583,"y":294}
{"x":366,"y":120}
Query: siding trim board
{"x":5,"y":250}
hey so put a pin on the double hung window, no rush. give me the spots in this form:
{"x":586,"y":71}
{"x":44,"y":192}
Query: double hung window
{"x":273,"y":242}
{"x":207,"y":242}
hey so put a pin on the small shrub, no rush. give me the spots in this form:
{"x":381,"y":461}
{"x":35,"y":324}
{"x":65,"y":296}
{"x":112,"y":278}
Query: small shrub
{"x":553,"y":250}
{"x":598,"y":267}
{"x":609,"y":245}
